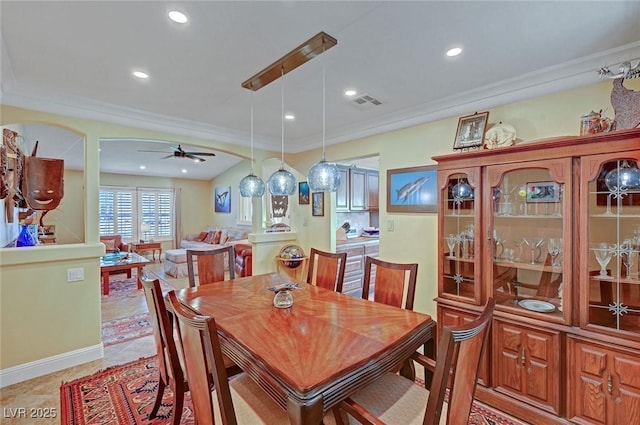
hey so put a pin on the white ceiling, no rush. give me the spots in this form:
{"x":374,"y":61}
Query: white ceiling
{"x":76,"y":58}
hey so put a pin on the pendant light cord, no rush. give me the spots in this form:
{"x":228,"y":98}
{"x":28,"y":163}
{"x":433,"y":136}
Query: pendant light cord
{"x":282,"y":118}
{"x":252,"y":129}
{"x":324,"y":107}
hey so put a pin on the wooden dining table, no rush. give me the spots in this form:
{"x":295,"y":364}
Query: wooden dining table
{"x":322,"y":349}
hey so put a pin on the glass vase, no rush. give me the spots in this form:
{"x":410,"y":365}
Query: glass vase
{"x":26,"y":236}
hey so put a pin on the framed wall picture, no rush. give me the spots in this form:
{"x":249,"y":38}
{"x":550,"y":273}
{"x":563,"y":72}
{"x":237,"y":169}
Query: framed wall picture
{"x":471,"y":129}
{"x":222,"y":201}
{"x":317,"y":204}
{"x":543,"y":192}
{"x":303,"y":193}
{"x":412,"y":189}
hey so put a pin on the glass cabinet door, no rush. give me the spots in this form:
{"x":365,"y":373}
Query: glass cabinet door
{"x":459,"y":248}
{"x":610,"y":298}
{"x":529,"y":238}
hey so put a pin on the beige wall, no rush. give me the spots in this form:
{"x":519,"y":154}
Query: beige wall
{"x":33,"y":288}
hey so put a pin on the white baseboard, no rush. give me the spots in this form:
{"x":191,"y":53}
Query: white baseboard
{"x":23,"y":372}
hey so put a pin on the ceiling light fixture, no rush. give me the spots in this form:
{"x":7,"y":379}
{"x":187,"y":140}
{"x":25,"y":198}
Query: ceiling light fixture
{"x":282,"y":182}
{"x":184,"y":171}
{"x":142,"y":167}
{"x":454,"y":52}
{"x":323,"y":176}
{"x":177,"y":16}
{"x":350,"y":93}
{"x":289,"y":117}
{"x":141,"y":75}
{"x":251,"y":185}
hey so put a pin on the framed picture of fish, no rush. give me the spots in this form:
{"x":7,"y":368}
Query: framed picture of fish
{"x":470,"y":132}
{"x":222,"y":201}
{"x":412,"y":190}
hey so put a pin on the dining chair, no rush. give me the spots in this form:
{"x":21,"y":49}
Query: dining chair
{"x":171,"y":372}
{"x":326,"y":269}
{"x":211,"y":265}
{"x":394,"y":399}
{"x":238,"y":400}
{"x":394,"y":283}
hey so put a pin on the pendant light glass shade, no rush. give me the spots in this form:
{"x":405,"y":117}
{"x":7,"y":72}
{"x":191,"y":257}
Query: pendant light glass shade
{"x":282,"y":182}
{"x":323,"y":176}
{"x":251,"y":185}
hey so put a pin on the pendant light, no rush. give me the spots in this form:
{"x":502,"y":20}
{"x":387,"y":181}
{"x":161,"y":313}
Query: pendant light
{"x":282,"y":182}
{"x":323,"y":176}
{"x":251,"y":185}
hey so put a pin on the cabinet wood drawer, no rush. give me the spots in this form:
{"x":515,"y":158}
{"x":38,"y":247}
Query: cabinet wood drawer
{"x":372,"y":250}
{"x":351,"y":250}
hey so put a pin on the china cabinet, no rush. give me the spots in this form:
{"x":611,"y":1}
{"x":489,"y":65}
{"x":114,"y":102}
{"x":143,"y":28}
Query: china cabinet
{"x":551,"y":230}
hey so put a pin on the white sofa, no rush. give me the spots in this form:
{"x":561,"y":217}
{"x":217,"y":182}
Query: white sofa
{"x":212,"y":238}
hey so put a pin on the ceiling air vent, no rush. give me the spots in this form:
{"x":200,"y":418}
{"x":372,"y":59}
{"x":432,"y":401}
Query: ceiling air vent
{"x":365,"y":99}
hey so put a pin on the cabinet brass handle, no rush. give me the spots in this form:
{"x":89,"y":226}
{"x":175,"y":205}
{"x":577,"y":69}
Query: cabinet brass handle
{"x":522,"y":357}
{"x":610,"y":385}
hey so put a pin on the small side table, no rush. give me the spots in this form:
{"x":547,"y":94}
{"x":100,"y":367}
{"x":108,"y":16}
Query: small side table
{"x":139,"y":247}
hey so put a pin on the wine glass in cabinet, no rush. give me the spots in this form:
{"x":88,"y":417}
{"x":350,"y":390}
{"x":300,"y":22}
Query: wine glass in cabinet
{"x":610,"y":190}
{"x":459,"y":242}
{"x":529,"y":218}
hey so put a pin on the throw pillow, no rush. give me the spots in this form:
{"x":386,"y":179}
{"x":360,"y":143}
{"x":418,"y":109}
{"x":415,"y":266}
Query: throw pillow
{"x":224,"y":235}
{"x":210,"y":236}
{"x":202,"y":236}
{"x":110,"y":244}
{"x":216,"y":238}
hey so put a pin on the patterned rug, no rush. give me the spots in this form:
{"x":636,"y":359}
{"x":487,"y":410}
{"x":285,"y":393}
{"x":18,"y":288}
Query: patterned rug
{"x":126,"y":329}
{"x":124,"y":395}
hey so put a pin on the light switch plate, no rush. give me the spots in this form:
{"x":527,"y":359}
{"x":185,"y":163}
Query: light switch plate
{"x":75,"y":275}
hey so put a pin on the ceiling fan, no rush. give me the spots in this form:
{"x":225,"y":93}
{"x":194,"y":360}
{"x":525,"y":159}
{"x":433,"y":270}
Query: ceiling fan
{"x":181,"y":153}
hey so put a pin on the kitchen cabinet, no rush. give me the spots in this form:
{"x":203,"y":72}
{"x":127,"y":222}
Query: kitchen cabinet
{"x":551,"y":231}
{"x":356,"y":250}
{"x":373,"y":187}
{"x":342,"y":194}
{"x":358,"y":189}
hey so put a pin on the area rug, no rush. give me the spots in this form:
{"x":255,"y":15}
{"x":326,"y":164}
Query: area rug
{"x":124,"y":395}
{"x":126,"y":329}
{"x":121,"y":287}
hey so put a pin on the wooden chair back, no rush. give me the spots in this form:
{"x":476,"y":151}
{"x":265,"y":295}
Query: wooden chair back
{"x":169,"y":365}
{"x":211,"y":265}
{"x":202,"y":354}
{"x":394,"y":283}
{"x":326,"y":269}
{"x":458,"y":363}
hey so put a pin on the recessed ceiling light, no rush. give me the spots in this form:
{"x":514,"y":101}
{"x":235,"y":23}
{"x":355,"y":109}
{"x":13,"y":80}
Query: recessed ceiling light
{"x":184,"y":171}
{"x":196,"y":160}
{"x":289,"y":117}
{"x":142,"y":167}
{"x":454,"y":52}
{"x":350,"y":92}
{"x":178,"y":17}
{"x":140,"y":74}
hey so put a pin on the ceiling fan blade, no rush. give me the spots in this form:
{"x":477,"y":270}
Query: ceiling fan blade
{"x":195,"y":158}
{"x":168,"y":156}
{"x":152,"y":151}
{"x":201,"y":153}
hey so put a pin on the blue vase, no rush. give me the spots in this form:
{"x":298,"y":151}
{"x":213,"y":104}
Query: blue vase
{"x":26,"y":237}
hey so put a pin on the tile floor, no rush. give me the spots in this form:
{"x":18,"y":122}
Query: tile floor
{"x":44,"y":392}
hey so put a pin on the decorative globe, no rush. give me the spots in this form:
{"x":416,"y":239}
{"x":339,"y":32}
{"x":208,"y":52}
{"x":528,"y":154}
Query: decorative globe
{"x":291,"y":252}
{"x":462,"y":190}
{"x":624,"y":177}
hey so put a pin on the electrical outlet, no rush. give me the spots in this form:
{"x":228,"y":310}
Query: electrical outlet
{"x":390,"y":225}
{"x":75,"y":275}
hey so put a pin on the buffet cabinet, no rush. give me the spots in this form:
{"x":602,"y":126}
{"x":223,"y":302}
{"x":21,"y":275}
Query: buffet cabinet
{"x":551,"y":231}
